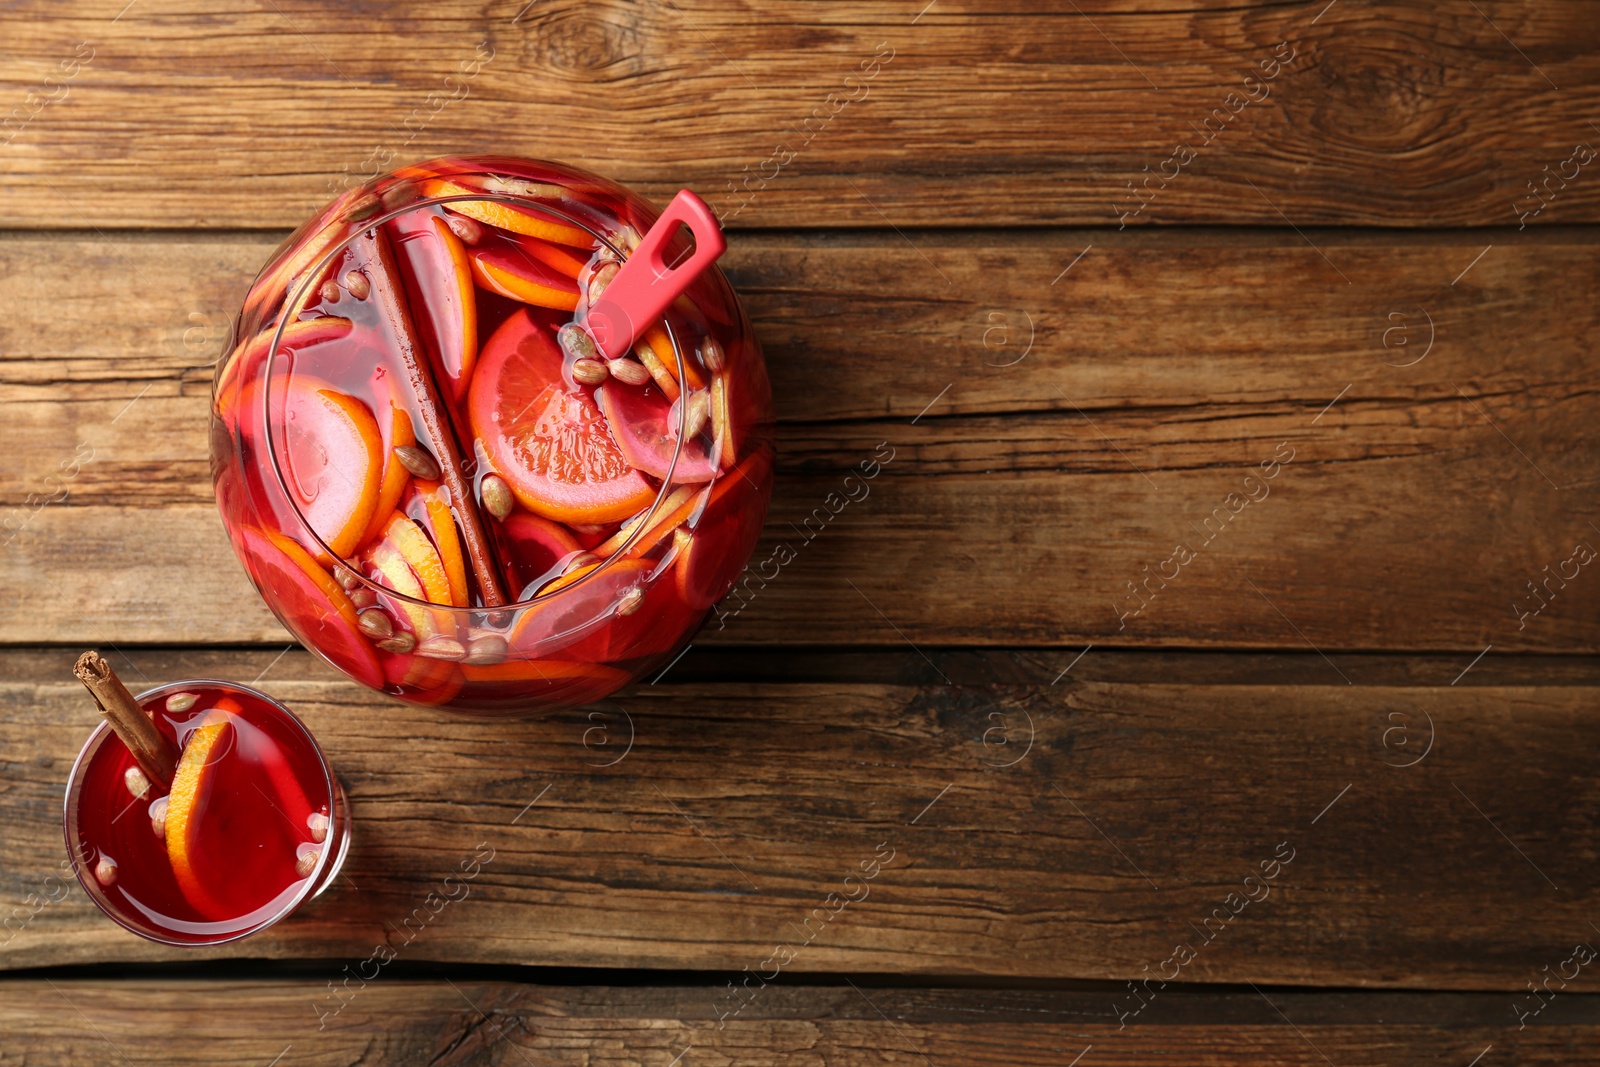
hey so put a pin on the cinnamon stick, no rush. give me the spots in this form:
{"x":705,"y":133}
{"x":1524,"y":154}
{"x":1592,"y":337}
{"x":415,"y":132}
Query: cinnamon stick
{"x":155,"y":753}
{"x":373,"y":249}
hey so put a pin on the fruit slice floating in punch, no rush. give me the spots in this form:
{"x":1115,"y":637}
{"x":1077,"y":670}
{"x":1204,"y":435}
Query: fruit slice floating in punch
{"x":513,"y":274}
{"x":192,"y":785}
{"x":660,"y":521}
{"x":423,"y":559}
{"x":324,"y":350}
{"x":646,"y":431}
{"x":220,"y":830}
{"x":315,"y":330}
{"x":310,"y":602}
{"x":312,"y":241}
{"x":429,"y":507}
{"x":398,"y":431}
{"x":548,"y":440}
{"x":726,"y":433}
{"x":331,"y":457}
{"x":553,"y":256}
{"x":300,"y":333}
{"x":660,"y":346}
{"x":390,"y":570}
{"x":505,"y":216}
{"x":438,"y":278}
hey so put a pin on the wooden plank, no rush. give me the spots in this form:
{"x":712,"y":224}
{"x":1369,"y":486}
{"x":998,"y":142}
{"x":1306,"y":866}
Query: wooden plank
{"x":1420,"y":502}
{"x":452,"y":1024}
{"x":811,"y":114}
{"x":1080,"y":830}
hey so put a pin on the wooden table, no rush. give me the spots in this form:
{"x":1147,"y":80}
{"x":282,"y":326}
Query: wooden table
{"x":1208,"y":677}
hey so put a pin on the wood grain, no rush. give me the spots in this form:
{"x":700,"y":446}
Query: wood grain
{"x":1080,"y":830}
{"x":1028,"y":487}
{"x":1007,"y":111}
{"x":453,"y":1024}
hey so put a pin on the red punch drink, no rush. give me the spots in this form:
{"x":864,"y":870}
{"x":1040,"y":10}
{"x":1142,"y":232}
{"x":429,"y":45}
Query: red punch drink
{"x":254,"y":824}
{"x":496,"y":436}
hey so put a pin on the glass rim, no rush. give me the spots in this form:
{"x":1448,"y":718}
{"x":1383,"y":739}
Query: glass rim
{"x":91,"y":747}
{"x":293,"y":299}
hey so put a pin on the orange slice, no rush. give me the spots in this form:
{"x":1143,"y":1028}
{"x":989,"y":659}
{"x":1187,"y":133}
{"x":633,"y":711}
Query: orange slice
{"x":331,"y":456}
{"x":501,"y":271}
{"x":310,"y":603}
{"x":677,"y":507}
{"x":300,"y":333}
{"x":244,"y":364}
{"x":191,"y":787}
{"x":306,"y":246}
{"x":727,"y":438}
{"x":548,"y":440}
{"x":395,"y":475}
{"x":506,"y":217}
{"x":422,"y":557}
{"x":392,"y":571}
{"x":553,"y":256}
{"x":438,"y":276}
{"x":567,"y":579}
{"x":656,"y":337}
{"x":431,"y":509}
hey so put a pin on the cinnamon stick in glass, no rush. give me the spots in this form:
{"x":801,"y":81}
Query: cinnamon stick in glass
{"x":372,"y":249}
{"x":155,"y":753}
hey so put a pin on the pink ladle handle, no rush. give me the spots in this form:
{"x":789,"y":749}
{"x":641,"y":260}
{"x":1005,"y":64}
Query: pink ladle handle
{"x":646,"y":284}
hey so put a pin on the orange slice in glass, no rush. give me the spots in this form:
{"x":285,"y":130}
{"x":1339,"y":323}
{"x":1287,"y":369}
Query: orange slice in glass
{"x":400,"y":431}
{"x":663,"y":519}
{"x":392,"y":571}
{"x":546,"y":438}
{"x":191,"y":789}
{"x":429,"y":508}
{"x":438,"y":277}
{"x":553,"y":256}
{"x":520,"y":277}
{"x":310,"y":603}
{"x":661,"y":345}
{"x":424,"y":559}
{"x":331,"y":456}
{"x":504,"y":216}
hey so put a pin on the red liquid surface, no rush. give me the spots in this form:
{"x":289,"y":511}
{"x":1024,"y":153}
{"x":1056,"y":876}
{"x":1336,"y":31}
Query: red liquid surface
{"x":260,"y":791}
{"x":331,"y":523}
